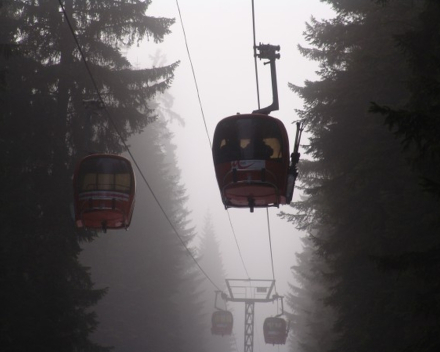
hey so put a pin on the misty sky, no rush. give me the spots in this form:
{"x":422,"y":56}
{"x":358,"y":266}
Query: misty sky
{"x":220,"y":39}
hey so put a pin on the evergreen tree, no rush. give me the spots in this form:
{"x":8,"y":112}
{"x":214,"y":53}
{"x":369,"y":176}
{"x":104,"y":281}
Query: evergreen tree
{"x":417,"y":122}
{"x":153,"y":301}
{"x":211,"y":261}
{"x":47,"y":293}
{"x":312,"y":319}
{"x":362,"y":200}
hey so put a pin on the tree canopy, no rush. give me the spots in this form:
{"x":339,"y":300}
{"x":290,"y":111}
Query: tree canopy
{"x":44,"y":129}
{"x":366,"y":215}
{"x":211,"y":261}
{"x":153,"y":283}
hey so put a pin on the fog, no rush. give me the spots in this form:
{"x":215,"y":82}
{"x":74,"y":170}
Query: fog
{"x":220,"y":39}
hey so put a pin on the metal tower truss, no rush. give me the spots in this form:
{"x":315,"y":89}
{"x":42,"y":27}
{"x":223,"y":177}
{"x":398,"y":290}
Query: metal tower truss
{"x":244,"y":290}
{"x":250,"y":292}
{"x":249,"y":327}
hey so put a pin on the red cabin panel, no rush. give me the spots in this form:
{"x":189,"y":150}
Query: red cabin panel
{"x":104,"y":191}
{"x":222,"y":321}
{"x":251,"y":158}
{"x":275,"y":331}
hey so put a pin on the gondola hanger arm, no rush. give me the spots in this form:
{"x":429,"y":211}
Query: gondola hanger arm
{"x":269,"y":52}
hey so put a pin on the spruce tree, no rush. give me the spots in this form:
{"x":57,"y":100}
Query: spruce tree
{"x":211,"y":261}
{"x":416,"y":123}
{"x":44,"y":128}
{"x":154,"y":300}
{"x":311,"y":320}
{"x":362,"y":198}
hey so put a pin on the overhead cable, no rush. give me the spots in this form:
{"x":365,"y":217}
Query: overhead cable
{"x":236,"y":242}
{"x":255,"y":54}
{"x":127,"y":148}
{"x":258,"y":99}
{"x":204,"y":121}
{"x":193,"y":72}
{"x":271,"y":252}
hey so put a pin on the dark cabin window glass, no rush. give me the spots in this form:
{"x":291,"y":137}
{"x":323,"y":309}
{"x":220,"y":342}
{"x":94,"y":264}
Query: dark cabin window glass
{"x":111,"y":174}
{"x":247,"y":139}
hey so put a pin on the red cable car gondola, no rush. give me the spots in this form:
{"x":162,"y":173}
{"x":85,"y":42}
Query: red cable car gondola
{"x":104,"y":192}
{"x":251,"y":153}
{"x":251,"y":158}
{"x":222,"y":322}
{"x":275,"y":331}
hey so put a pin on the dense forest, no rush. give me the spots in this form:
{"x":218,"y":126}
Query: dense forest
{"x":211,"y":261}
{"x":368,"y":277}
{"x":48,"y":296}
{"x":153,"y":284}
{"x":69,"y":289}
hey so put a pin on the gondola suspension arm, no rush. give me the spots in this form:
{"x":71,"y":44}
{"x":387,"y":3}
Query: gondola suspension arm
{"x":270,"y":52}
{"x":294,"y":159}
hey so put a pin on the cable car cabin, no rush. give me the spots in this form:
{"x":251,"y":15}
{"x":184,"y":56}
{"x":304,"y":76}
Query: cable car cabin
{"x":275,"y":331}
{"x":251,"y":159}
{"x":222,"y":321}
{"x":104,"y":190}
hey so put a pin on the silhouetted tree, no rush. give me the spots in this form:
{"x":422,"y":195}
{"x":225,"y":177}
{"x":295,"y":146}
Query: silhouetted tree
{"x":154,"y":302}
{"x":312,"y":319}
{"x":417,"y":123}
{"x":362,"y":199}
{"x":211,"y":261}
{"x":46,"y":293}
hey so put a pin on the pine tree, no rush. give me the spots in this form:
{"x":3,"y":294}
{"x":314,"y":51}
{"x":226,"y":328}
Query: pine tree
{"x":312,"y":319}
{"x":140,"y":267}
{"x":43,"y":130}
{"x":362,"y":199}
{"x":417,"y":122}
{"x":153,"y":301}
{"x":211,"y":261}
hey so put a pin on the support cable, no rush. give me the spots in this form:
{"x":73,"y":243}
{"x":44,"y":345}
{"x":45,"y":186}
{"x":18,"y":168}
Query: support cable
{"x":236,"y":242}
{"x":271,"y":252}
{"x":194,"y":73}
{"x":204,"y":121}
{"x":126,"y":146}
{"x":255,"y":54}
{"x":258,"y":98}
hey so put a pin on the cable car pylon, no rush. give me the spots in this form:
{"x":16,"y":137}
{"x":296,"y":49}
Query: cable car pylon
{"x":249,"y":292}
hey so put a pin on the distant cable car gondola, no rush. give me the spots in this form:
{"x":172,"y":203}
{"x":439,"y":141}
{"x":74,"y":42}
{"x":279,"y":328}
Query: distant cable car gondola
{"x":104,"y":192}
{"x":222,"y":319}
{"x":251,"y":154}
{"x":222,"y":322}
{"x":275,"y":331}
